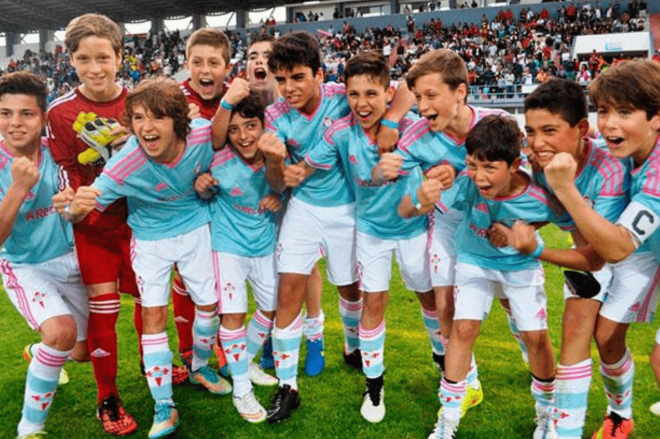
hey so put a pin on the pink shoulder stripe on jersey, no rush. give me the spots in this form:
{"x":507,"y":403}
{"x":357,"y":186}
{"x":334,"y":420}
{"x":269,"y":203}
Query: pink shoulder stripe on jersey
{"x":3,"y":161}
{"x":21,"y":296}
{"x":612,"y":173}
{"x":442,"y":206}
{"x":222,"y":156}
{"x":199,"y":135}
{"x":412,"y":134}
{"x":331,"y":89}
{"x":313,"y":164}
{"x":651,"y":184}
{"x":338,"y":125}
{"x":129,"y":164}
{"x":278,"y":109}
{"x":541,"y":196}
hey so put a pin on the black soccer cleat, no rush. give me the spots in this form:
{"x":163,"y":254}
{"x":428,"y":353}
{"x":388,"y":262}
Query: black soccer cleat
{"x":439,"y":361}
{"x":354,"y":359}
{"x":286,"y":400}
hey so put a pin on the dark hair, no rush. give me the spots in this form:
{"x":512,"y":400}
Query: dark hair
{"x":447,"y":63}
{"x":263,"y":37}
{"x":494,"y":138}
{"x":163,"y":98}
{"x":629,"y":84}
{"x":25,"y":83}
{"x":251,"y":106}
{"x":373,"y":64}
{"x":295,"y":49}
{"x":559,"y":96}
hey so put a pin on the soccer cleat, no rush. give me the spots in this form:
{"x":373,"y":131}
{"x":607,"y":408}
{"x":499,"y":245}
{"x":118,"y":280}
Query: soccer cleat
{"x":267,"y":361}
{"x":473,"y":398}
{"x":259,"y":377}
{"x":439,"y":361}
{"x":444,"y":429}
{"x":166,"y":420}
{"x":36,"y":435}
{"x":214,"y":383}
{"x":64,"y":376}
{"x":614,"y":427}
{"x":314,"y":360}
{"x":582,"y":283}
{"x":354,"y":359}
{"x":249,"y":408}
{"x":115,"y":419}
{"x":286,"y":400}
{"x":179,"y":374}
{"x":373,"y":406}
{"x":655,"y":409}
{"x":545,"y":425}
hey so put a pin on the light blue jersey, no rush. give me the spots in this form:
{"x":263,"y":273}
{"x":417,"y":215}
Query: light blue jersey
{"x":472,"y":244}
{"x":162,"y":202}
{"x":346,"y":143}
{"x":645,"y":189}
{"x":39,"y":233}
{"x":301,"y":133}
{"x":238,"y":225}
{"x":420,"y":146}
{"x":603,"y":181}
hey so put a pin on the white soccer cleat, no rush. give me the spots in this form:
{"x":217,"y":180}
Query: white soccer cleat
{"x":655,"y":409}
{"x":545,"y":426}
{"x":373,"y":406}
{"x":259,"y":377}
{"x":249,"y":408}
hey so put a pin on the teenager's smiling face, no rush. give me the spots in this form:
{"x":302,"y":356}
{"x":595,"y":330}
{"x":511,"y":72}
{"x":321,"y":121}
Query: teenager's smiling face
{"x":300,"y":87}
{"x":628,"y":132}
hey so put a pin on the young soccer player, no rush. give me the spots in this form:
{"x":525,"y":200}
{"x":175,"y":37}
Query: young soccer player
{"x":320,"y":212}
{"x":439,"y":81}
{"x":243,"y":238}
{"x":381,"y":233}
{"x":263,"y":82}
{"x":556,"y":122}
{"x":40,"y":274}
{"x":494,"y":190}
{"x":155,"y":171}
{"x":627,"y":98}
{"x":95,"y":45}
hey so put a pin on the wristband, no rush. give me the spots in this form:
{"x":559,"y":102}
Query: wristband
{"x":415,"y":201}
{"x":539,"y":249}
{"x":389,"y":124}
{"x":226,"y":105}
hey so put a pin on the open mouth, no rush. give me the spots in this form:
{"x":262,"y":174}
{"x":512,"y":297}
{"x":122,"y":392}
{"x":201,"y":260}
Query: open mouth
{"x":431,"y":117}
{"x":150,"y":140}
{"x":616,"y":141}
{"x":260,"y":73}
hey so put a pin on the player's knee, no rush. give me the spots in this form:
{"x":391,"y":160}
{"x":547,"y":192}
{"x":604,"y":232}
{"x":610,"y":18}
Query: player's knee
{"x":535,"y":340}
{"x":374,"y":304}
{"x":350,"y":292}
{"x":654,"y":357}
{"x":59,"y":333}
{"x":465,"y":331}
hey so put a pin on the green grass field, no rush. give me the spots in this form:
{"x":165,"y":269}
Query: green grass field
{"x":331,"y":401}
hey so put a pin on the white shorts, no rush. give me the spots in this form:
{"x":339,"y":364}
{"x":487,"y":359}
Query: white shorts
{"x":191,"y":252}
{"x":633,"y":292}
{"x":46,"y":290}
{"x":231,"y":273}
{"x":476,"y":287}
{"x":442,"y":247}
{"x":374,"y":257}
{"x":604,"y":278}
{"x":305,"y":228}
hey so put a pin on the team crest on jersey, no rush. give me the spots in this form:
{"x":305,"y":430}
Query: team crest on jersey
{"x":353,"y":159}
{"x":327,"y":122}
{"x":39,"y":298}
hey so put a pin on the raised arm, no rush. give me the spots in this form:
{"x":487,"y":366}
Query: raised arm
{"x":25,"y":175}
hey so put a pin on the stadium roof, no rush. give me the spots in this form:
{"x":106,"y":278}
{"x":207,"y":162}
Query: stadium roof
{"x":23,"y":16}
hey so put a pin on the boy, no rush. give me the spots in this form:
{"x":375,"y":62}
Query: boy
{"x":320,"y":211}
{"x":155,"y":171}
{"x":263,"y":82}
{"x":350,"y":142}
{"x":556,"y":122}
{"x":627,"y":97}
{"x":40,"y":275}
{"x":243,"y":237}
{"x":494,"y":190}
{"x":102,"y":241}
{"x":439,"y":81}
